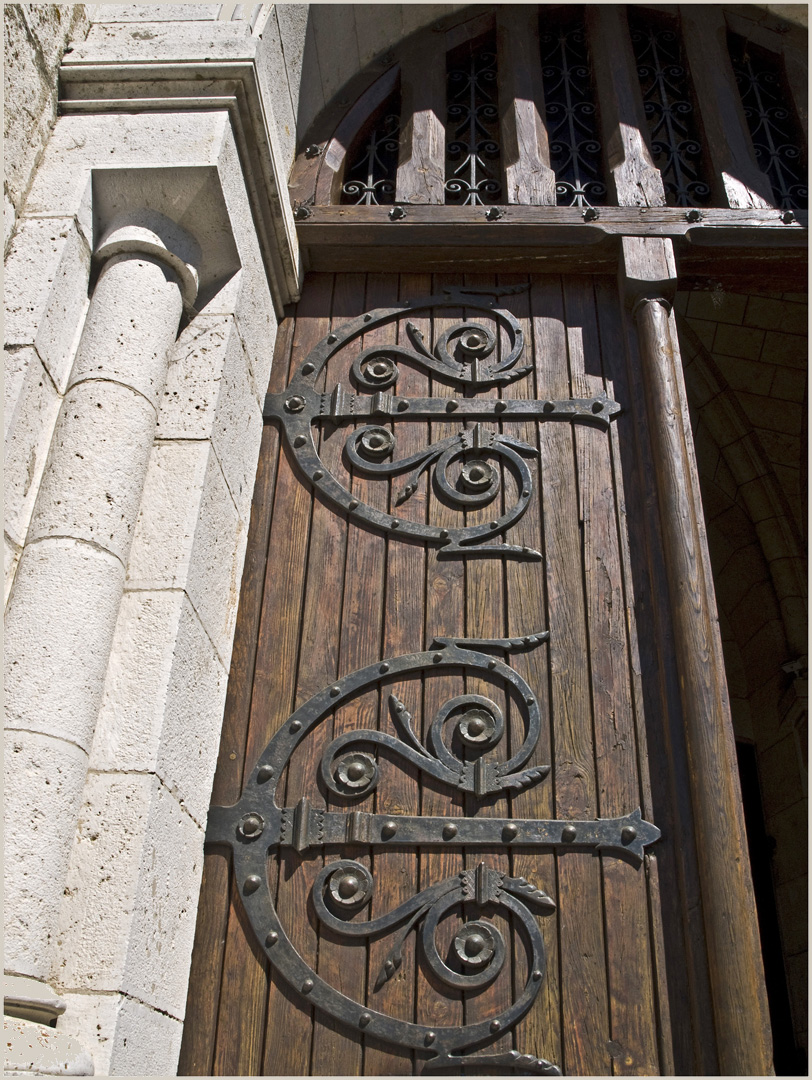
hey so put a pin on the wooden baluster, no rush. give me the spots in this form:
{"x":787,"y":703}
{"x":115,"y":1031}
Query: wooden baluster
{"x":727,"y":141}
{"x":634,"y":176}
{"x":421,"y":168}
{"x":647,"y":276}
{"x":525,"y":147}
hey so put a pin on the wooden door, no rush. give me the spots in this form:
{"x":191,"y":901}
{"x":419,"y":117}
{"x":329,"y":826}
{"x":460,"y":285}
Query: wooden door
{"x":547,"y":953}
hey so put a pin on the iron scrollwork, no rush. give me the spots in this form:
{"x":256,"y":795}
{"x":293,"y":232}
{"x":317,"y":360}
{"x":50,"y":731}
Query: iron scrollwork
{"x":256,"y":826}
{"x":465,"y":354}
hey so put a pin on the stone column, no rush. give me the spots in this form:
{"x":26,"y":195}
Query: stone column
{"x":66,"y":595}
{"x":648,"y":279}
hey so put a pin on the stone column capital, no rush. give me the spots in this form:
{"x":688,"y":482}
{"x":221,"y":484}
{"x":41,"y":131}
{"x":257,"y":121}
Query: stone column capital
{"x":147,"y":232}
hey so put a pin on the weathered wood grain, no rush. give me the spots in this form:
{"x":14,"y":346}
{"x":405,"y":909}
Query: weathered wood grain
{"x":634,"y":176}
{"x":540,"y":1032}
{"x":582,"y":950}
{"x":727,"y":139}
{"x":739,"y":999}
{"x":525,"y":146}
{"x":197,"y":1049}
{"x":396,"y":871}
{"x":421,"y":164}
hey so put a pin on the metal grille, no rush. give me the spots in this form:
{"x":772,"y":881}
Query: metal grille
{"x":473,"y":163}
{"x":371,"y":177}
{"x":773,"y":126}
{"x":575,"y":150}
{"x":673,"y":133}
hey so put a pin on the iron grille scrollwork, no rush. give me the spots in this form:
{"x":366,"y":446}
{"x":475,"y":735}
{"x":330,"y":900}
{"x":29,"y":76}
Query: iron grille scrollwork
{"x":257,"y":827}
{"x":773,"y":126}
{"x":472,"y":128}
{"x":569,"y":100}
{"x":470,"y":468}
{"x":664,"y":83}
{"x":371,"y":179}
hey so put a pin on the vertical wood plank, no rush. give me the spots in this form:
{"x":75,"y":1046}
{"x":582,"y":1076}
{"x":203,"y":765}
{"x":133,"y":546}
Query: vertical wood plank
{"x":337,"y":1050}
{"x":444,"y":616}
{"x":421,"y":165}
{"x":399,"y":790}
{"x":737,"y":981}
{"x":540,"y":1032}
{"x":200,"y":1026}
{"x":525,"y":147}
{"x":485,"y":618}
{"x":631,"y":1001}
{"x":635,"y":177}
{"x":583,"y":976}
{"x":727,"y":139}
{"x":296,"y":676}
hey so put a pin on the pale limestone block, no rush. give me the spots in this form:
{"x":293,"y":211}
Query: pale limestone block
{"x":59,"y":628}
{"x":336,"y":45}
{"x":140,"y":13}
{"x":292,"y":20}
{"x":46,"y":291}
{"x":52,"y":25}
{"x":29,"y":427}
{"x":38,"y":1050}
{"x":275,"y":89}
{"x":163,"y":670}
{"x":163,"y":41}
{"x":125,"y":1037}
{"x":131,"y":324}
{"x":44,"y":778}
{"x":11,"y":557}
{"x":128,"y":918}
{"x":80,"y":144}
{"x":99,"y":454}
{"x":209,"y":394}
{"x":9,"y":221}
{"x":190,"y":536}
{"x":27,"y":96}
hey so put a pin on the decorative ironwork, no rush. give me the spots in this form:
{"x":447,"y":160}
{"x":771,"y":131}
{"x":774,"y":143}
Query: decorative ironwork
{"x":472,"y":127}
{"x":371,"y":179}
{"x":256,"y":826}
{"x":466,"y":354}
{"x":664,"y":82}
{"x":569,"y":100}
{"x":774,"y":128}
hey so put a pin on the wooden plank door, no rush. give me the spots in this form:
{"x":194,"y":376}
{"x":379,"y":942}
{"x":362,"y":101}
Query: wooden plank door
{"x":467,"y":883}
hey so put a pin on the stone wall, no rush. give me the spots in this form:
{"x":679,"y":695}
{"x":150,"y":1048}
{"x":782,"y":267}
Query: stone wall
{"x":35,"y":38}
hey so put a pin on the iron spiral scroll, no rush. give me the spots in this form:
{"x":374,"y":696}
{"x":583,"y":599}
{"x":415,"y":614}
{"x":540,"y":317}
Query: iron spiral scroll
{"x":256,"y":826}
{"x":470,"y":467}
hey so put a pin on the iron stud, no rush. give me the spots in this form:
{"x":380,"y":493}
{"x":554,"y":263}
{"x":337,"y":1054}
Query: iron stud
{"x":271,"y":939}
{"x":628,"y":833}
{"x":364,"y":1019}
{"x":308,"y":369}
{"x":252,"y":825}
{"x":353,"y":504}
{"x":367,"y":317}
{"x":251,"y":884}
{"x":295,"y":725}
{"x":384,"y":668}
{"x":265,"y":773}
{"x":317,"y":475}
{"x":452,"y":405}
{"x":332,"y":339}
{"x":496,"y":1025}
{"x":509,"y":832}
{"x":443,"y":534}
{"x":591,"y":214}
{"x":300,"y":440}
{"x":693,"y":215}
{"x":388,"y":829}
{"x":430,"y":1037}
{"x":395,"y":524}
{"x":788,"y":217}
{"x":403,"y":406}
{"x":437,"y":657}
{"x":500,"y":406}
{"x":491,"y":664}
{"x":568,"y":834}
{"x":335,"y":691}
{"x":536,"y":975}
{"x":307,"y":986}
{"x":449,"y":832}
{"x":295,"y":403}
{"x":397,"y":213}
